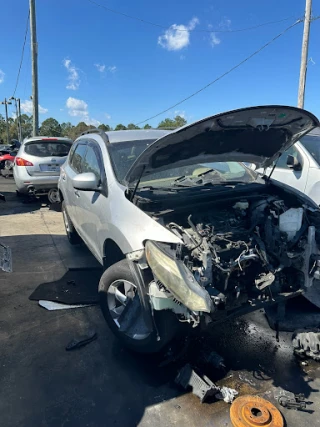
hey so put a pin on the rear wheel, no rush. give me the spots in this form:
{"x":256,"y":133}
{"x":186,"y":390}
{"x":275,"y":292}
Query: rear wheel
{"x":73,"y":236}
{"x":54,"y":196}
{"x":123,"y":312}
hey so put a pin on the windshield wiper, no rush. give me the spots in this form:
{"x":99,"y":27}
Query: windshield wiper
{"x":209,"y":171}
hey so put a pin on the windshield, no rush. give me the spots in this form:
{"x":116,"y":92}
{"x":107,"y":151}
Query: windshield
{"x":200,"y":174}
{"x":124,"y":154}
{"x":48,"y":149}
{"x":312,"y":144}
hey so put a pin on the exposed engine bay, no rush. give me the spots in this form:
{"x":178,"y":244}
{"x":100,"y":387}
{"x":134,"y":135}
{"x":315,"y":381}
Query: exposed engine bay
{"x":244,"y":253}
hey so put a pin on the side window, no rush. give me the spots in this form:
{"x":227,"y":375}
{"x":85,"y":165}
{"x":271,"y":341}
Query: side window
{"x":91,"y":163}
{"x":77,"y":158}
{"x":282,"y":162}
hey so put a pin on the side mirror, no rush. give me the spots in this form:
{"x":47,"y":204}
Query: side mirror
{"x":293,"y":163}
{"x":86,"y":182}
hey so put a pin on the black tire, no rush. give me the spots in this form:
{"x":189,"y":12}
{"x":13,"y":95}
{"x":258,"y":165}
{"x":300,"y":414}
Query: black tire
{"x":73,"y":236}
{"x":167,"y":324}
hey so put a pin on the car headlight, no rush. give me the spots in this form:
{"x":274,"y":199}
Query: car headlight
{"x":177,"y":278}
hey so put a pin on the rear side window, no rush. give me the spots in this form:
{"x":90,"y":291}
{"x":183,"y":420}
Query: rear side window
{"x":77,"y":158}
{"x":312,"y":144}
{"x":47,"y":149}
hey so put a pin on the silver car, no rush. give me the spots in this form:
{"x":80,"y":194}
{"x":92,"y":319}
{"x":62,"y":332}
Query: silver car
{"x":37,"y":165}
{"x":187,"y":234}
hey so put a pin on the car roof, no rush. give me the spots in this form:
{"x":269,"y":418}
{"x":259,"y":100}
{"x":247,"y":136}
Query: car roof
{"x":135,"y":135}
{"x":46,"y":138}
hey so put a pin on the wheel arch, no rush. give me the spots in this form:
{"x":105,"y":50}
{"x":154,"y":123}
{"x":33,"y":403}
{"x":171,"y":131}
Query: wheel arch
{"x":111,"y":253}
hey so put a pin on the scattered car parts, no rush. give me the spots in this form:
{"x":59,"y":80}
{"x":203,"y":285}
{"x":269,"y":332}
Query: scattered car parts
{"x":202,"y":386}
{"x":292,"y":401}
{"x":254,"y":411}
{"x":307,"y":343}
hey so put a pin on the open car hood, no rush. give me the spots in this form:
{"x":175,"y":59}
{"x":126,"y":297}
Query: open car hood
{"x":256,"y":135}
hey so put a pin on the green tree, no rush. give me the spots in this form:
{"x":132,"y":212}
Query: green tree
{"x":132,"y":126}
{"x":77,"y":130}
{"x":147,"y":126}
{"x":120,"y":127}
{"x":167,"y":124}
{"x":50,"y":127}
{"x":105,"y":128}
{"x":180,"y":121}
{"x":26,"y":125}
{"x":66,"y":129}
{"x":177,"y":122}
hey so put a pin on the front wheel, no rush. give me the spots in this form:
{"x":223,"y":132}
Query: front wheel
{"x":73,"y":236}
{"x":123,"y":312}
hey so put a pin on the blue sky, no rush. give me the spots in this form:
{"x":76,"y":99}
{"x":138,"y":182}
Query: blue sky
{"x":98,"y":66}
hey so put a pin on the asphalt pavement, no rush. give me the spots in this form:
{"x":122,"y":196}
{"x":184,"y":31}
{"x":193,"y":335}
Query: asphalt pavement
{"x":103,"y":384}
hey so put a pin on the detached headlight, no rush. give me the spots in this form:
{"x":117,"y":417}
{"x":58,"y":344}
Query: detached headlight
{"x":178,"y":279}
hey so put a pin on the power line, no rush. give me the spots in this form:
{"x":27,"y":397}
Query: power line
{"x":22,"y":54}
{"x":224,"y":74}
{"x":197,"y":31}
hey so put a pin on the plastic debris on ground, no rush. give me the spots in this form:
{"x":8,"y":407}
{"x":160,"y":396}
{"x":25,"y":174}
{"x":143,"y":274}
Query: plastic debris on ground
{"x":227,"y":394}
{"x":202,"y":386}
{"x":51,"y":305}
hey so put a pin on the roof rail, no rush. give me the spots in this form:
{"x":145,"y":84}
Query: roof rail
{"x":103,"y":135}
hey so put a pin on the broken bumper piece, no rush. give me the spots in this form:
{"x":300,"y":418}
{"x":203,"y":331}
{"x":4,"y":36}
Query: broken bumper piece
{"x":203,"y":387}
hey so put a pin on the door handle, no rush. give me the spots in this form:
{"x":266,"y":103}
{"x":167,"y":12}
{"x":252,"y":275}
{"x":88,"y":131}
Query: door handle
{"x":76,"y":192}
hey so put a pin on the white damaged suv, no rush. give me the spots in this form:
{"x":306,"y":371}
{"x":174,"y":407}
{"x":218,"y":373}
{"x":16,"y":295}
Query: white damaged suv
{"x":185,"y":231}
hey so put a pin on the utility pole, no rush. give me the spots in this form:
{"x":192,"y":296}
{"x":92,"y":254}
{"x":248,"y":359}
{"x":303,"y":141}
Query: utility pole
{"x":304,"y":54}
{"x":20,"y":124}
{"x":6,"y":103}
{"x":34,"y":56}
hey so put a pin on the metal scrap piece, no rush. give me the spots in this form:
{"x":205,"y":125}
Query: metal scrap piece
{"x":5,"y":258}
{"x":201,"y":387}
{"x":307,"y":343}
{"x":290,"y":400}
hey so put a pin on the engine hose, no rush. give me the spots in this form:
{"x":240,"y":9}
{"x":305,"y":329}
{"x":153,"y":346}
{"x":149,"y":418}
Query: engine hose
{"x":194,"y":228}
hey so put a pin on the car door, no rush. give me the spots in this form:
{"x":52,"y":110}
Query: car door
{"x":91,"y":205}
{"x":295,"y":178}
{"x":72,"y":168}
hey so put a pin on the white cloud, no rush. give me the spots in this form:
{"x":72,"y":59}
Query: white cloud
{"x":2,"y":74}
{"x":100,"y":68}
{"x":214,"y":40}
{"x":26,"y":107}
{"x":77,"y":107}
{"x":108,"y":117}
{"x":112,"y":68}
{"x":73,"y":75}
{"x":177,"y":37}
